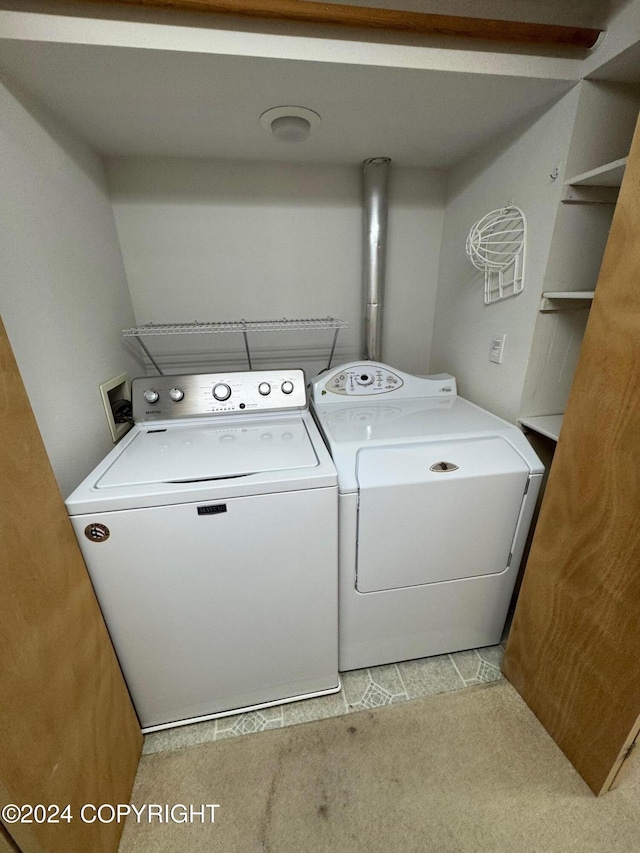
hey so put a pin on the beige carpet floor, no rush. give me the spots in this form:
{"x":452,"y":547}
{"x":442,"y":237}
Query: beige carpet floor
{"x":467,"y":771}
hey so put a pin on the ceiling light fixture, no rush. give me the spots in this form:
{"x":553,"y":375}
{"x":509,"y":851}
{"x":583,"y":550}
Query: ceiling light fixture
{"x":290,"y":124}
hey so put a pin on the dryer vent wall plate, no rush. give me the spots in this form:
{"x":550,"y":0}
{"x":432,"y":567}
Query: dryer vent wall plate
{"x":116,"y":398}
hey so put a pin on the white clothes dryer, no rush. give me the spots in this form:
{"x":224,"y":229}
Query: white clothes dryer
{"x":210,"y":536}
{"x":436,"y":496}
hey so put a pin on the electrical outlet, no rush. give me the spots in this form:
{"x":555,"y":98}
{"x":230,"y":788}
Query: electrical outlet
{"x":497,"y":348}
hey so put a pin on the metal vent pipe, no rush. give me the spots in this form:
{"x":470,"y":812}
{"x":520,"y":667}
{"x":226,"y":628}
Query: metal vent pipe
{"x":375,"y":186}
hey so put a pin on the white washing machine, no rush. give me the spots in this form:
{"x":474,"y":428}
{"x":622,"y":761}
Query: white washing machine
{"x":210,"y":536}
{"x":436,"y":497}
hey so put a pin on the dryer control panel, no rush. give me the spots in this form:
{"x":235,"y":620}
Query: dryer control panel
{"x":371,"y":378}
{"x":202,"y":394}
{"x":364,"y":380}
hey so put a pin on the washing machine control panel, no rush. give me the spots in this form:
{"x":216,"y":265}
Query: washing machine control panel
{"x":192,"y":395}
{"x":371,"y":378}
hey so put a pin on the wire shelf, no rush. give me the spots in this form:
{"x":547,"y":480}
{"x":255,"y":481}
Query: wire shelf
{"x":198,"y":328}
{"x":237,"y":326}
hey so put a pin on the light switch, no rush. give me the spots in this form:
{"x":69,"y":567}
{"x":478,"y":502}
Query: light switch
{"x":497,"y":348}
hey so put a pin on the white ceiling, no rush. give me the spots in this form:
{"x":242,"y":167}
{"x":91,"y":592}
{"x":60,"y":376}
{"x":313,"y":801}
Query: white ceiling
{"x":187,"y":90}
{"x":126,"y":101}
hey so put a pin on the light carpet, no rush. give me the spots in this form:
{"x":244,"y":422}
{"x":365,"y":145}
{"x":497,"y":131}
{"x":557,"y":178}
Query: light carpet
{"x":467,"y":771}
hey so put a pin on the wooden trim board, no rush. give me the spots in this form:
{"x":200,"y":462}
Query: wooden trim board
{"x":573,"y":648}
{"x":68,"y":731}
{"x":419,"y":23}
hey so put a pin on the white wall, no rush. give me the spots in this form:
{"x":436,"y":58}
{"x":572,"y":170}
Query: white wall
{"x":515,"y":169}
{"x":416,"y":214}
{"x":220,"y":240}
{"x":64,"y":298}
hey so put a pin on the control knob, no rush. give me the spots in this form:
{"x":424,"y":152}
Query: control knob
{"x":287,"y":387}
{"x":151,"y":396}
{"x":176,"y":394}
{"x":365,"y":379}
{"x":264,"y":388}
{"x":221,"y":391}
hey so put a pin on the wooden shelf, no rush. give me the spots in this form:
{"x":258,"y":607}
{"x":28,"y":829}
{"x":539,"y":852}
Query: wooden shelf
{"x":598,"y":186}
{"x":422,"y":23}
{"x":566,"y":300}
{"x":548,"y":425}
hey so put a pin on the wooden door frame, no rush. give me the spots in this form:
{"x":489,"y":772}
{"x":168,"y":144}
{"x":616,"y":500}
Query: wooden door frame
{"x":369,"y":18}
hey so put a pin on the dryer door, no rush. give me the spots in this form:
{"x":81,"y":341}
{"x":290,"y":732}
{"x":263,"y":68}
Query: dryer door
{"x":437,"y":511}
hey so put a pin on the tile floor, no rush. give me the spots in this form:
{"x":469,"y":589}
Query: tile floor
{"x":361,"y":689}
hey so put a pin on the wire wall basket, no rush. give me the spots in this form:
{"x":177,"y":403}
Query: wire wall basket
{"x":496,"y":246}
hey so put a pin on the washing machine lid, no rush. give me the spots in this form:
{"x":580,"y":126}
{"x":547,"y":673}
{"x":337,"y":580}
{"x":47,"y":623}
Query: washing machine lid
{"x":195,"y":453}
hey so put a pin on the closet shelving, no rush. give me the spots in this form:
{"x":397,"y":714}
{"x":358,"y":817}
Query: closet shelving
{"x":566,"y":300}
{"x":604,"y":123}
{"x":547,"y":425}
{"x":597,"y":186}
{"x":243,"y":327}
